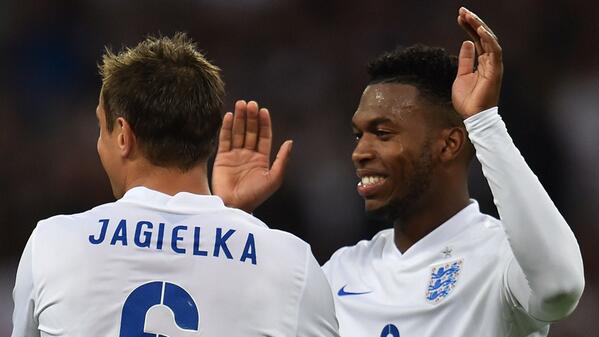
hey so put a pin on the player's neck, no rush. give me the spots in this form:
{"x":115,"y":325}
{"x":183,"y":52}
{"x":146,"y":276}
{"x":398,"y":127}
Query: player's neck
{"x":170,"y":180}
{"x":431,"y":213}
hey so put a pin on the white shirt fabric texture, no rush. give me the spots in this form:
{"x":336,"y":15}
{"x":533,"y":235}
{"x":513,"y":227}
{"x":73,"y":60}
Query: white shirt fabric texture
{"x":154,"y":265}
{"x":474,"y":275}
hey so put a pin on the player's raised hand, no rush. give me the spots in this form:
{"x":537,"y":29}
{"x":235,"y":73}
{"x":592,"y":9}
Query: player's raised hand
{"x":477,"y":89}
{"x":242,"y":175}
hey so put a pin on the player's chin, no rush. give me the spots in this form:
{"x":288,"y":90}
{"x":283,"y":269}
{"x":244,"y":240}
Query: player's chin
{"x":377,"y":210}
{"x":372,"y":204}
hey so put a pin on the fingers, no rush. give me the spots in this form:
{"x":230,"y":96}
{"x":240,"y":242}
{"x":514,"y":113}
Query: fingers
{"x":265,"y":132}
{"x":224,"y":137}
{"x":471,"y":33}
{"x":471,"y":23}
{"x":489,"y":41}
{"x":238,"y":130}
{"x":466,"y":58}
{"x":473,"y":20}
{"x":278,"y":167}
{"x":251,"y":127}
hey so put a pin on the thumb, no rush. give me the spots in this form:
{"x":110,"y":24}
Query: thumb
{"x":466,"y":58}
{"x":279,"y":165}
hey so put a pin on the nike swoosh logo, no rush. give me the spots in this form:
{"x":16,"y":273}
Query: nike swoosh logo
{"x":342,"y":292}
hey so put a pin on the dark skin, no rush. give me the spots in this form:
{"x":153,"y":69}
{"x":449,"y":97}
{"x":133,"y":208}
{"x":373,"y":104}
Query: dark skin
{"x":420,"y":161}
{"x":435,"y":155}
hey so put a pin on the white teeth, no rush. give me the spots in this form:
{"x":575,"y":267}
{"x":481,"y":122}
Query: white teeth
{"x":369,"y":180}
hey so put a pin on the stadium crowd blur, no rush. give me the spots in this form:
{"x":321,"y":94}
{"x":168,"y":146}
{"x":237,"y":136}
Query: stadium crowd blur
{"x":304,"y":60}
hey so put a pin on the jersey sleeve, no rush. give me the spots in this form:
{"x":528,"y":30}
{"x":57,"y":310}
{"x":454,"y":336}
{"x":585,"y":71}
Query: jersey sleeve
{"x":546,"y":276}
{"x":24,"y":322}
{"x":316,"y":316}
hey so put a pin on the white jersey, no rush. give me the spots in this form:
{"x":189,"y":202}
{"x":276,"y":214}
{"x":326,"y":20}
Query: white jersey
{"x":450,"y":283}
{"x":151,"y":264}
{"x":473,"y":275}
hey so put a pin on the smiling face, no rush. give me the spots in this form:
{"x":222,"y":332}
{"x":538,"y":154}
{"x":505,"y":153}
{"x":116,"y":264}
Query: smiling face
{"x":393,"y":156}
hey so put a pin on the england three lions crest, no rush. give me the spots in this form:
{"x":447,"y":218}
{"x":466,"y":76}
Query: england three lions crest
{"x":443,"y":280}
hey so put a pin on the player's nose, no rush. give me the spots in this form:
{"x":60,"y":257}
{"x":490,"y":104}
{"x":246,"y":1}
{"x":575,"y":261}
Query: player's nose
{"x":362,"y":153}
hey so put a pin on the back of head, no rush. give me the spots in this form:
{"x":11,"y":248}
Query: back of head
{"x":169,"y":94}
{"x":430,"y":69}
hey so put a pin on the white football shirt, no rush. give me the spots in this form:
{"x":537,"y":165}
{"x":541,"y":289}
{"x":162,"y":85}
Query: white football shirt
{"x":154,"y":265}
{"x":473,"y":275}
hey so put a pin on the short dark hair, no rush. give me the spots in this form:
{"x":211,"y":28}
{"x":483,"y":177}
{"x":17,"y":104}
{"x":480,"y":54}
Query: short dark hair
{"x":430,"y":69}
{"x":170,"y":94}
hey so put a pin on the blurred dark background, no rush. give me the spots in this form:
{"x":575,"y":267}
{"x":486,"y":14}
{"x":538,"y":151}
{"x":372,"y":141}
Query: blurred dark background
{"x":304,"y":60}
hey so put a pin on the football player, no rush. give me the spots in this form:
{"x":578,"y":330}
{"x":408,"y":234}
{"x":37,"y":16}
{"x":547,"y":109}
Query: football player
{"x":167,"y":258}
{"x":445,"y":269}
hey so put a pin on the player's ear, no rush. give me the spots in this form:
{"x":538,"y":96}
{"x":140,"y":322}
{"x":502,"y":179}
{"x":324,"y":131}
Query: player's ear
{"x":453,"y":142}
{"x":125,"y":138}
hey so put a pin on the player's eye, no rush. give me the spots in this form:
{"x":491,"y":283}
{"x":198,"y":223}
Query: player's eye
{"x":382,"y":134}
{"x":357,"y":136}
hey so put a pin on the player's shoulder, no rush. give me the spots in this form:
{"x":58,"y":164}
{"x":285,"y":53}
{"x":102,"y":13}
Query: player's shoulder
{"x":52,"y":222}
{"x":490,"y":225}
{"x":244,"y":217}
{"x":489,"y":222}
{"x":487,"y":238}
{"x":260,"y":226}
{"x":364,"y":249}
{"x":60,"y":230}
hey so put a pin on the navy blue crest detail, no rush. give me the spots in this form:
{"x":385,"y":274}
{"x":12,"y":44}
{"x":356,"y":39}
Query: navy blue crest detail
{"x":443,"y":280}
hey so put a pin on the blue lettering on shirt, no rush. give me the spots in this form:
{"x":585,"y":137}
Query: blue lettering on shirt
{"x":196,"y":243}
{"x":147,"y":234}
{"x":120,"y":234}
{"x":102,"y":234}
{"x":249,"y":252}
{"x":160,"y":236}
{"x":177,"y":238}
{"x":220,"y":242}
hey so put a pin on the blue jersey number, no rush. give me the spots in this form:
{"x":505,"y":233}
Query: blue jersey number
{"x":390,"y":330}
{"x":155,"y":293}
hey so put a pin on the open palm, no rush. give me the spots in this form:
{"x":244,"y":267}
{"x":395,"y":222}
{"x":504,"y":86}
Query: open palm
{"x":242,"y":175}
{"x":475,"y":90}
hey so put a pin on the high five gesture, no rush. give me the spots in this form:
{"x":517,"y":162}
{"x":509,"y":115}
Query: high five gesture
{"x":478,"y":81}
{"x":242,"y":174}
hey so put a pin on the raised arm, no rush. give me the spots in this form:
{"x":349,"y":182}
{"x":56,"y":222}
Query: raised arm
{"x":242,"y":175}
{"x":546,"y":278}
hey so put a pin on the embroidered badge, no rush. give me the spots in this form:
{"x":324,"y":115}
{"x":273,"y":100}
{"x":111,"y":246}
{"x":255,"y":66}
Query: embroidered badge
{"x":443,"y":279}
